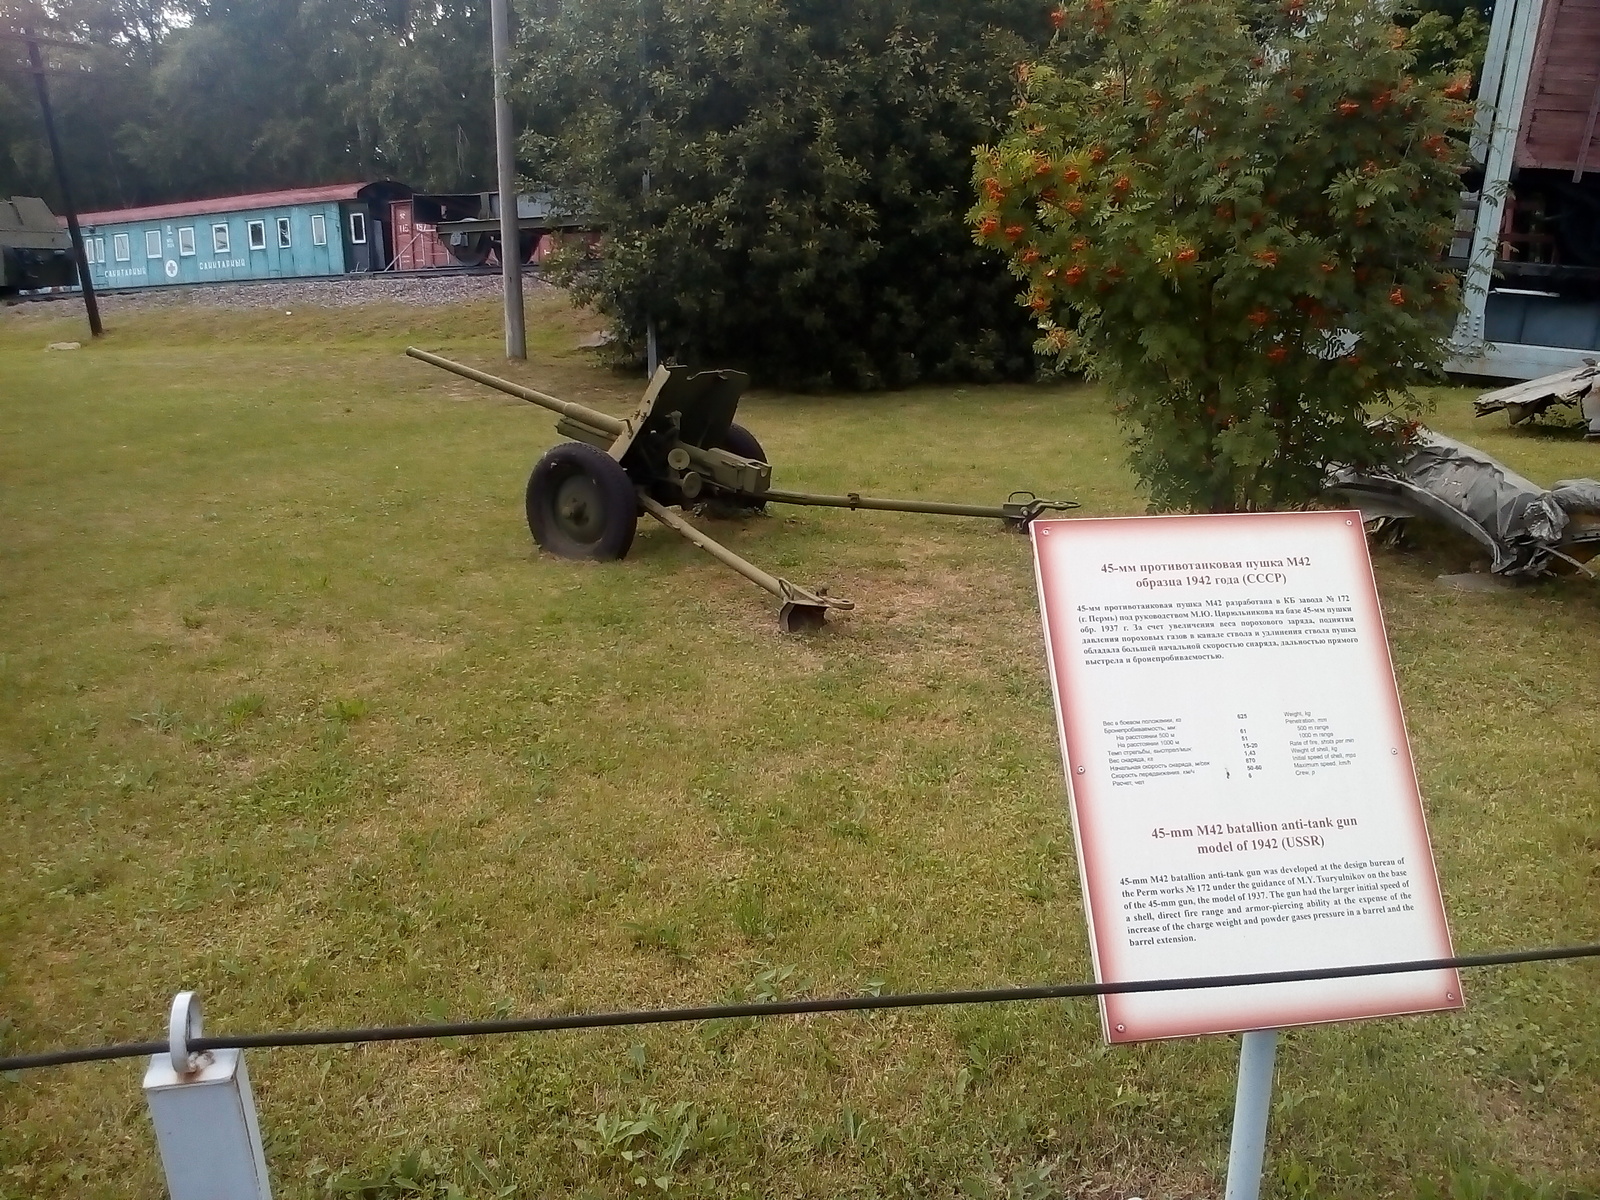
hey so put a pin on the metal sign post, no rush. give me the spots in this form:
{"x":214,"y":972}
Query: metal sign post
{"x":1251,"y":1104}
{"x":1239,"y":779}
{"x":506,"y":163}
{"x":204,"y":1116}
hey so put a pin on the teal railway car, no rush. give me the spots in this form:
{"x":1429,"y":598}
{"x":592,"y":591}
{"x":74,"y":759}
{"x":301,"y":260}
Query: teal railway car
{"x":297,"y":234}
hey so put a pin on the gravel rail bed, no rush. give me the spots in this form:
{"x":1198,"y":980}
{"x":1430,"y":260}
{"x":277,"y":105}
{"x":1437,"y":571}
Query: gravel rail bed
{"x":343,"y":291}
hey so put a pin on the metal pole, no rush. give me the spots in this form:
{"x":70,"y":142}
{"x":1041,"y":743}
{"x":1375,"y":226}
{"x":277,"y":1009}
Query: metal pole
{"x":716,"y":549}
{"x":506,"y":162}
{"x":204,"y":1115}
{"x":652,"y":354}
{"x":1251,"y":1105}
{"x":933,"y":507}
{"x":802,"y":609}
{"x":1505,"y":108}
{"x":90,"y":304}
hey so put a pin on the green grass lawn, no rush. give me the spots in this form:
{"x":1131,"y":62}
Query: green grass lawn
{"x":291,"y":712}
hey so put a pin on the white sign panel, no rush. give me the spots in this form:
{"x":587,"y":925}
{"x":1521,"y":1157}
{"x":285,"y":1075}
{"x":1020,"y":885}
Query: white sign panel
{"x":1242,"y":791}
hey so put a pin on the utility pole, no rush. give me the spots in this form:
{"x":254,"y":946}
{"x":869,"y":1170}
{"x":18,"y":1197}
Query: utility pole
{"x":36,"y":65}
{"x":652,"y":353}
{"x":506,"y":161}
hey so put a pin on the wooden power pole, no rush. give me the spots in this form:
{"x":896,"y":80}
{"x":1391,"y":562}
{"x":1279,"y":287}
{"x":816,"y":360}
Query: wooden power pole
{"x":36,"y":65}
{"x":505,"y":148}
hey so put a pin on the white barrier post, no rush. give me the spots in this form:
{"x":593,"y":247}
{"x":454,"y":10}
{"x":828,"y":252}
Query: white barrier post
{"x":1247,"y":1150}
{"x":204,"y":1115}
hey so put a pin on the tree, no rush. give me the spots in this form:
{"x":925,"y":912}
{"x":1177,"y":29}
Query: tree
{"x":1448,"y":35}
{"x":205,"y":97}
{"x":280,"y":93}
{"x":806,"y":165}
{"x":1234,"y":213}
{"x":93,"y":91}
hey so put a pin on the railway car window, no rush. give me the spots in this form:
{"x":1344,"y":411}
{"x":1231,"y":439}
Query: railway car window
{"x":186,"y":241}
{"x":319,"y":229}
{"x":121,"y":247}
{"x":283,"y":233}
{"x":219,"y":239}
{"x":152,"y":243}
{"x":358,"y":227}
{"x":257,"y":232}
{"x":100,"y":250}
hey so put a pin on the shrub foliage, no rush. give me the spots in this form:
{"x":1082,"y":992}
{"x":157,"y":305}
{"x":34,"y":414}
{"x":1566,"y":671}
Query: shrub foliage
{"x":807,"y":164}
{"x":1235,"y":213}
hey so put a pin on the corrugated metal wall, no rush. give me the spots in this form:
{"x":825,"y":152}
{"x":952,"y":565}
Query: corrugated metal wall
{"x":416,"y":243}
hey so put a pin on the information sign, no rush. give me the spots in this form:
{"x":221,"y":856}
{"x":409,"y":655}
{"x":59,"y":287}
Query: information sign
{"x":1242,"y":792}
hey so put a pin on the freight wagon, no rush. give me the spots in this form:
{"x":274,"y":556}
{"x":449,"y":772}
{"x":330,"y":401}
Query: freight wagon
{"x":467,"y":225}
{"x":1533,"y":260}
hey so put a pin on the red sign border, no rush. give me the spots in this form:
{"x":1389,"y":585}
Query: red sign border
{"x":1429,"y":991}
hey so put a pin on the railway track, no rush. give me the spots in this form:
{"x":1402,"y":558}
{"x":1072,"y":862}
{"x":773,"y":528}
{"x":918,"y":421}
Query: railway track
{"x":428,"y":274}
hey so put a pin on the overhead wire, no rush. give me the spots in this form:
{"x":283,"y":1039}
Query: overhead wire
{"x":866,"y":1002}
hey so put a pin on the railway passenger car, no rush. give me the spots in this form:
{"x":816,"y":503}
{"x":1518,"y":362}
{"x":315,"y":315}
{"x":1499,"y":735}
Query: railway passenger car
{"x":295,"y":234}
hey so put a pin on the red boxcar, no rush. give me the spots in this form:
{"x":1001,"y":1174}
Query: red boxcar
{"x":416,"y":244}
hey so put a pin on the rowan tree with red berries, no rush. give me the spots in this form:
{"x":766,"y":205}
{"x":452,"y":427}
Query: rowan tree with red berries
{"x":1235,"y":214}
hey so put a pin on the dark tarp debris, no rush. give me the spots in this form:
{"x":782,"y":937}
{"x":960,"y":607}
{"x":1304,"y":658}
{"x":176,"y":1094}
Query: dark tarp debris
{"x":1528,"y":531}
{"x":1576,"y":388}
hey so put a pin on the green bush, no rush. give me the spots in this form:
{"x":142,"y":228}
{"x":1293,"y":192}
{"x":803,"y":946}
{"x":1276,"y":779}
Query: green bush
{"x":807,"y":165}
{"x":1234,"y":212}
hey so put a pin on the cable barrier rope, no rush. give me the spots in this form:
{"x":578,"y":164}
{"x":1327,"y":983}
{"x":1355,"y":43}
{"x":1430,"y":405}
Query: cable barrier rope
{"x":782,"y":1008}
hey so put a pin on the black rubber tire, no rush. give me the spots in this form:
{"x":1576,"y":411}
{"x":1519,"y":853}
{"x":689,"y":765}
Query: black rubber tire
{"x":739,"y":440}
{"x":581,"y":503}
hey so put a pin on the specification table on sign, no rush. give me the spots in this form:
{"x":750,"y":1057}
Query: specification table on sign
{"x":1241,"y":787}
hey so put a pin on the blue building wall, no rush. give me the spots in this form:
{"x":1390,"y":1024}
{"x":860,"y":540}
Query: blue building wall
{"x":272,"y":261}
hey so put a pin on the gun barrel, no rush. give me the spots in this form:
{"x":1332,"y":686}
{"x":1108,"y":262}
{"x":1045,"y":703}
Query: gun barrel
{"x":603,"y":422}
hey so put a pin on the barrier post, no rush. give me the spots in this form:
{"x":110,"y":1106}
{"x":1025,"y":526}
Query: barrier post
{"x":1251,"y":1104}
{"x":204,"y":1116}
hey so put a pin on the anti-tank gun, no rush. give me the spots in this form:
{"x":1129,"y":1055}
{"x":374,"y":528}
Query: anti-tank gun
{"x":680,"y":448}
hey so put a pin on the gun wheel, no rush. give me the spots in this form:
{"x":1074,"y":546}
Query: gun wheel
{"x":581,"y":503}
{"x":739,"y":440}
